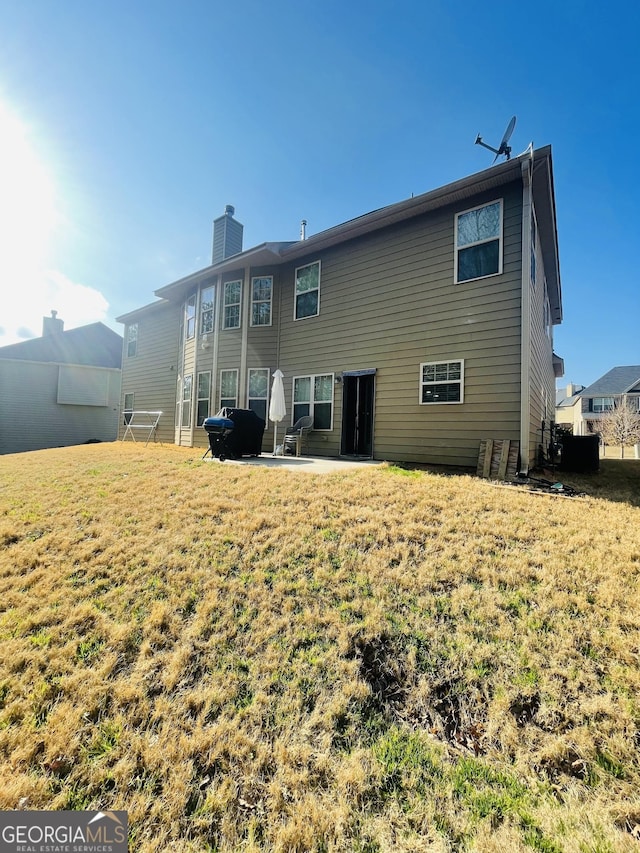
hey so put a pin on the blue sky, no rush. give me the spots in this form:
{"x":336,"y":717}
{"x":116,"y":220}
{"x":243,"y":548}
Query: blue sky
{"x":126,"y":127}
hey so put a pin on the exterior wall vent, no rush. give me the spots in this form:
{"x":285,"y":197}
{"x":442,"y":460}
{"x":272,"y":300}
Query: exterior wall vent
{"x":227,"y":236}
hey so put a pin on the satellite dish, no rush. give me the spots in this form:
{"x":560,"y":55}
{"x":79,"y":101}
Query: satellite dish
{"x":504,"y":147}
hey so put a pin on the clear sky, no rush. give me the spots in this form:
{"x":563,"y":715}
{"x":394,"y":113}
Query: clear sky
{"x":127,"y":126}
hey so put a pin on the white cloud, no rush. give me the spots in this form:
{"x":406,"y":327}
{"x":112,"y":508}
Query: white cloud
{"x":24,"y":303}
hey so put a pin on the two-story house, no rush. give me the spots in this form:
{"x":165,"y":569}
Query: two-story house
{"x":602,"y":396}
{"x":410,"y":333}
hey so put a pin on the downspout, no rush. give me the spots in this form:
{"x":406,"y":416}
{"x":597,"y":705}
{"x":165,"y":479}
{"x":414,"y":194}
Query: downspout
{"x":525,"y":319}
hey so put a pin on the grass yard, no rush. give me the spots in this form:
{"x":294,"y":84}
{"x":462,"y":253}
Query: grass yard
{"x":247,"y":659}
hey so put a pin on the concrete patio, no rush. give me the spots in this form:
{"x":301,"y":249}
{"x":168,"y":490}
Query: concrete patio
{"x":306,"y":464}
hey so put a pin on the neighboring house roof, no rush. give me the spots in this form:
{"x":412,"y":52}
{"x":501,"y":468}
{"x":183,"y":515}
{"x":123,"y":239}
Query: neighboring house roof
{"x":489,"y":179}
{"x":94,"y":344}
{"x":619,"y":380}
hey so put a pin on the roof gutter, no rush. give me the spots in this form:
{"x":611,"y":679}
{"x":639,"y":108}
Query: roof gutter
{"x":450,"y":194}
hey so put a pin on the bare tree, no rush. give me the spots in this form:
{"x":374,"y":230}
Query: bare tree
{"x":621,"y":425}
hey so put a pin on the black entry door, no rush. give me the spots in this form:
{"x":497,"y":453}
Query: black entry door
{"x":358,"y":394}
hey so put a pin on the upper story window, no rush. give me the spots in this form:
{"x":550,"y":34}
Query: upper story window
{"x":231,"y":308}
{"x":442,"y":382}
{"x":602,"y":404}
{"x":547,"y":315}
{"x":261,"y":295}
{"x":307,"y":291}
{"x":190,"y":317}
{"x":479,"y":242}
{"x":207,"y":297}
{"x":132,"y":340}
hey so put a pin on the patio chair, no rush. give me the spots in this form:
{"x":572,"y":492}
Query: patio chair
{"x":296,"y":435}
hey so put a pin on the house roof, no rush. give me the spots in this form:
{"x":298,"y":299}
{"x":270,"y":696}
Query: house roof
{"x":491,"y":178}
{"x":619,"y":380}
{"x":264,"y":253}
{"x":132,"y":316}
{"x":94,"y":344}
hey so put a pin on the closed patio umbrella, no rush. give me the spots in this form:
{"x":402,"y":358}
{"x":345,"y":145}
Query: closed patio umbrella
{"x":277,"y":406}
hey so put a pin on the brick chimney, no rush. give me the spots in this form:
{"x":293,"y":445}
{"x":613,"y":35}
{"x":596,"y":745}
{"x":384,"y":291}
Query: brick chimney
{"x":52,"y":325}
{"x":227,"y":236}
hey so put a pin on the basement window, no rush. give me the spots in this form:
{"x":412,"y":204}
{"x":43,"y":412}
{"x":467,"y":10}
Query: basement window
{"x":442,"y":382}
{"x":479,"y":242}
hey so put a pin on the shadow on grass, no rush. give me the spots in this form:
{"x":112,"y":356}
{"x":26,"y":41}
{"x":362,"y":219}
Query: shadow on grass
{"x":617,"y":480}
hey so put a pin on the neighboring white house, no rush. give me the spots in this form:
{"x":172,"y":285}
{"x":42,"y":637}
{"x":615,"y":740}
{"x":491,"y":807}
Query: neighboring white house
{"x":568,"y":407}
{"x":581,"y":408}
{"x":60,"y":389}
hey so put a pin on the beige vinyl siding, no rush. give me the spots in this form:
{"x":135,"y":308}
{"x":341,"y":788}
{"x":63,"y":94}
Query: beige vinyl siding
{"x":31,"y":388}
{"x":388,"y":301}
{"x":189,"y":369}
{"x":151,"y":375}
{"x":261,"y":344}
{"x":542,"y":405}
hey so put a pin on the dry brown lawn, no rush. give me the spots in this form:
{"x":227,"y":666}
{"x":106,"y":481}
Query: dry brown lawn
{"x":247,"y":659}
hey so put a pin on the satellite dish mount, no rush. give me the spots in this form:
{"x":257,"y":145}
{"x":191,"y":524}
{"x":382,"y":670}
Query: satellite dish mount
{"x":504,"y":147}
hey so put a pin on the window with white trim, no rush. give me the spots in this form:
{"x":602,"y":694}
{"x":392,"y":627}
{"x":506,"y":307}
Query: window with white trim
{"x":132,"y":340}
{"x":258,"y":391}
{"x":190,"y":317}
{"x":602,"y":404}
{"x":547,"y":315}
{"x":261,"y":295}
{"x":231,"y":304}
{"x":207,"y":297}
{"x":534,"y":247}
{"x":307,"y":291}
{"x":187,"y":389}
{"x":313,"y":395}
{"x":228,"y":389}
{"x":204,"y":396}
{"x":479,"y":242}
{"x":442,"y":382}
{"x":129,"y":407}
